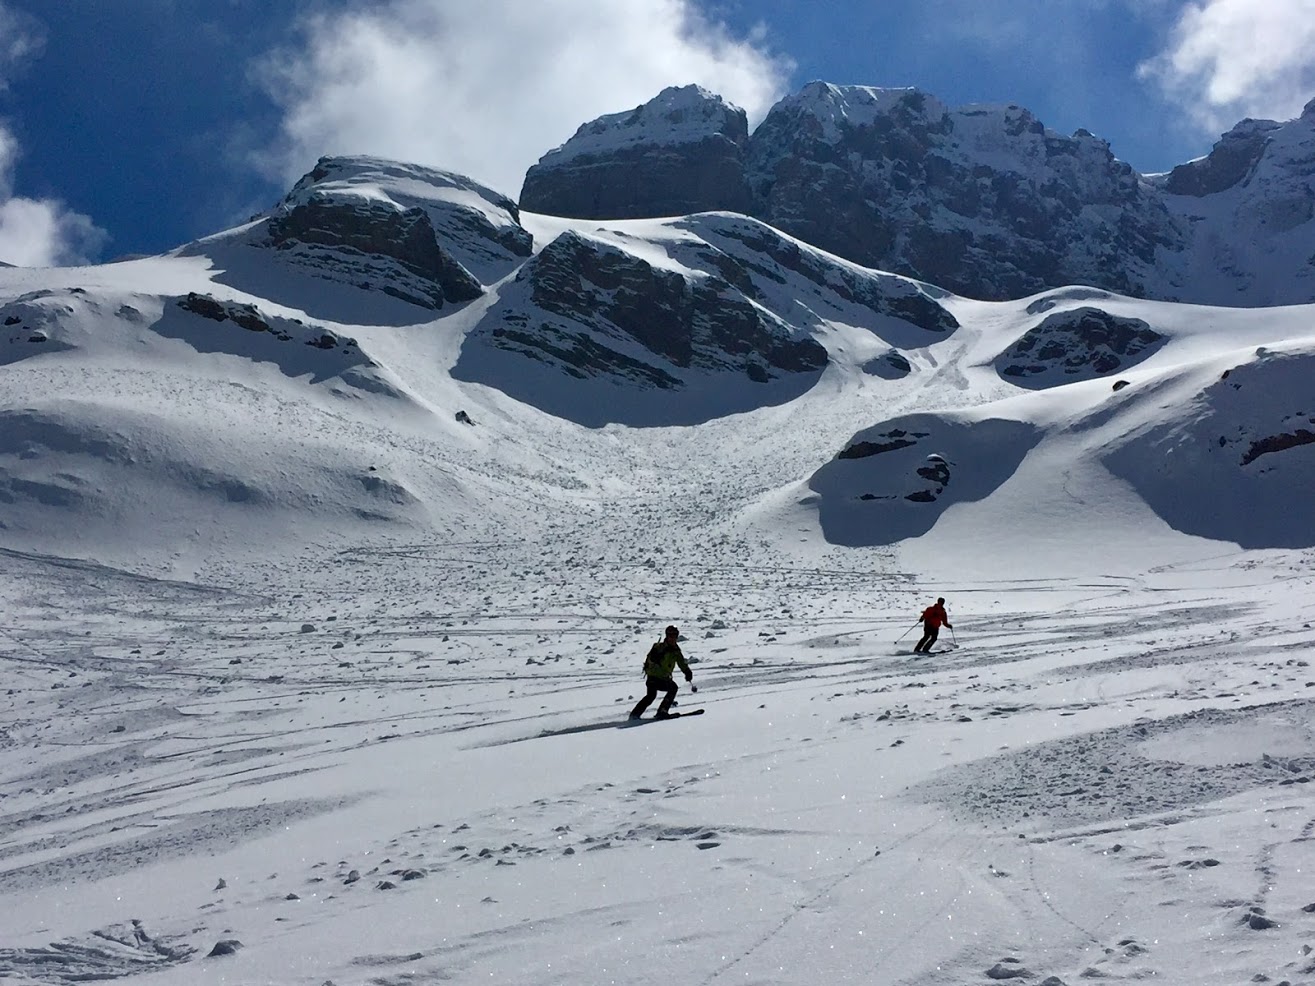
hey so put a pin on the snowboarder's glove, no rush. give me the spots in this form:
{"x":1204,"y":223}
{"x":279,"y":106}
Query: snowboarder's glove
{"x":689,"y":675}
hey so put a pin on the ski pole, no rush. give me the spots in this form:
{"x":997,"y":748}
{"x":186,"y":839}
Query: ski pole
{"x":906,"y":632}
{"x":953,"y":637}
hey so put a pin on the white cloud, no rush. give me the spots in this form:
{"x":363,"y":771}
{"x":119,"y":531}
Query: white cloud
{"x":40,"y":232}
{"x":486,"y":89}
{"x":1227,"y":59}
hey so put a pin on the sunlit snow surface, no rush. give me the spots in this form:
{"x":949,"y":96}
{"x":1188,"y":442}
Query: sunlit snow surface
{"x":292,"y":657}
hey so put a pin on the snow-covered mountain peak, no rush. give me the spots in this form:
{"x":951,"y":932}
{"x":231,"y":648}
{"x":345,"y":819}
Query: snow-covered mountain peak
{"x":682,"y":151}
{"x":422,"y":235}
{"x":837,"y":107}
{"x":372,"y":182}
{"x":676,"y":115}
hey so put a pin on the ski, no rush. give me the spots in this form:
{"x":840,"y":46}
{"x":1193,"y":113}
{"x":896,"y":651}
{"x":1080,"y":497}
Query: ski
{"x":671,"y":715}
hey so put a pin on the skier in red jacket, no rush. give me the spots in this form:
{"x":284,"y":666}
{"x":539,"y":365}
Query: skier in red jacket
{"x":932,"y":619}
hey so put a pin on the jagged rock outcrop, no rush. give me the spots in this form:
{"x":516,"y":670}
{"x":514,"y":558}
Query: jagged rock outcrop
{"x":373,"y":243}
{"x":679,"y":153}
{"x":1077,"y":344}
{"x":984,"y":201}
{"x":704,"y":323}
{"x":415,"y":233}
{"x":1229,"y":161}
{"x":249,"y":317}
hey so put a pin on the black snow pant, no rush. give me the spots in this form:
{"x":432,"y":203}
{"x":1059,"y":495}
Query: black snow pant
{"x":928,"y":638}
{"x":656,"y":685}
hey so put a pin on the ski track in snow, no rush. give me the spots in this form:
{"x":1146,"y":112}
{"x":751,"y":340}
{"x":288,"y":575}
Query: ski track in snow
{"x":180,"y":728}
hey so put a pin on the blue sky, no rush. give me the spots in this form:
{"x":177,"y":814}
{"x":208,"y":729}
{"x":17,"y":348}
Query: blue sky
{"x":130,"y":126}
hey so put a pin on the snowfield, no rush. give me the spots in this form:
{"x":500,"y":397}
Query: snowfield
{"x":312,"y":647}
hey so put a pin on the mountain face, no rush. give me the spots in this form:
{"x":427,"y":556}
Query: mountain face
{"x":983,"y":201}
{"x":423,"y":236}
{"x":1250,"y":204}
{"x":677,"y":154}
{"x":399,"y":346}
{"x":667,"y":322}
{"x":702,"y":315}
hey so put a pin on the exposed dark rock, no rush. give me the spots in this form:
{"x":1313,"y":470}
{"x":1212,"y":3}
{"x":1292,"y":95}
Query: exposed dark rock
{"x":358,"y":231}
{"x":249,"y":317}
{"x":1277,"y":443}
{"x":1256,"y":921}
{"x":936,"y":471}
{"x":679,"y":153}
{"x":578,"y":353}
{"x":892,"y":365}
{"x":703,"y":323}
{"x":1229,"y":161}
{"x":1008,"y":969}
{"x":896,"y":439}
{"x":1079,"y":344}
{"x":894,"y":180}
{"x":464,"y":418}
{"x":225,"y":946}
{"x":205,"y":306}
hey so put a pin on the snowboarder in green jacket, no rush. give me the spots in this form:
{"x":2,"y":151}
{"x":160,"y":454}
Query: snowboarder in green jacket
{"x":661,"y":661}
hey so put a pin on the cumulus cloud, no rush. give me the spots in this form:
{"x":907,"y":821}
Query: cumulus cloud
{"x":1227,"y":59}
{"x":485,"y":89}
{"x":40,"y":232}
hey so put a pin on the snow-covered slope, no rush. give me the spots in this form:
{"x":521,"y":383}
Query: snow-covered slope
{"x":206,"y":392}
{"x":324,"y":605}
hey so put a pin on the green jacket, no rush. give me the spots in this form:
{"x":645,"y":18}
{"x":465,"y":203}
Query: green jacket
{"x":662,"y":659}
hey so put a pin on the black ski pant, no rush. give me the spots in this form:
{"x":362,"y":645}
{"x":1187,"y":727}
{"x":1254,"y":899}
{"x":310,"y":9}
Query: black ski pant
{"x":656,"y":685}
{"x":928,"y":638}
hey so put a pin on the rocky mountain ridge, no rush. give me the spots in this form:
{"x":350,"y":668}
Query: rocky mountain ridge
{"x":984,"y":201}
{"x":696,"y":314}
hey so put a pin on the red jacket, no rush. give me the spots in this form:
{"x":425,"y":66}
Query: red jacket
{"x":933,"y":617}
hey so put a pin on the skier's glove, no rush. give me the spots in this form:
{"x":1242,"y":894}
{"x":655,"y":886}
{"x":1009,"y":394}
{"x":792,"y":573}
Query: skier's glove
{"x":689,"y":675}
